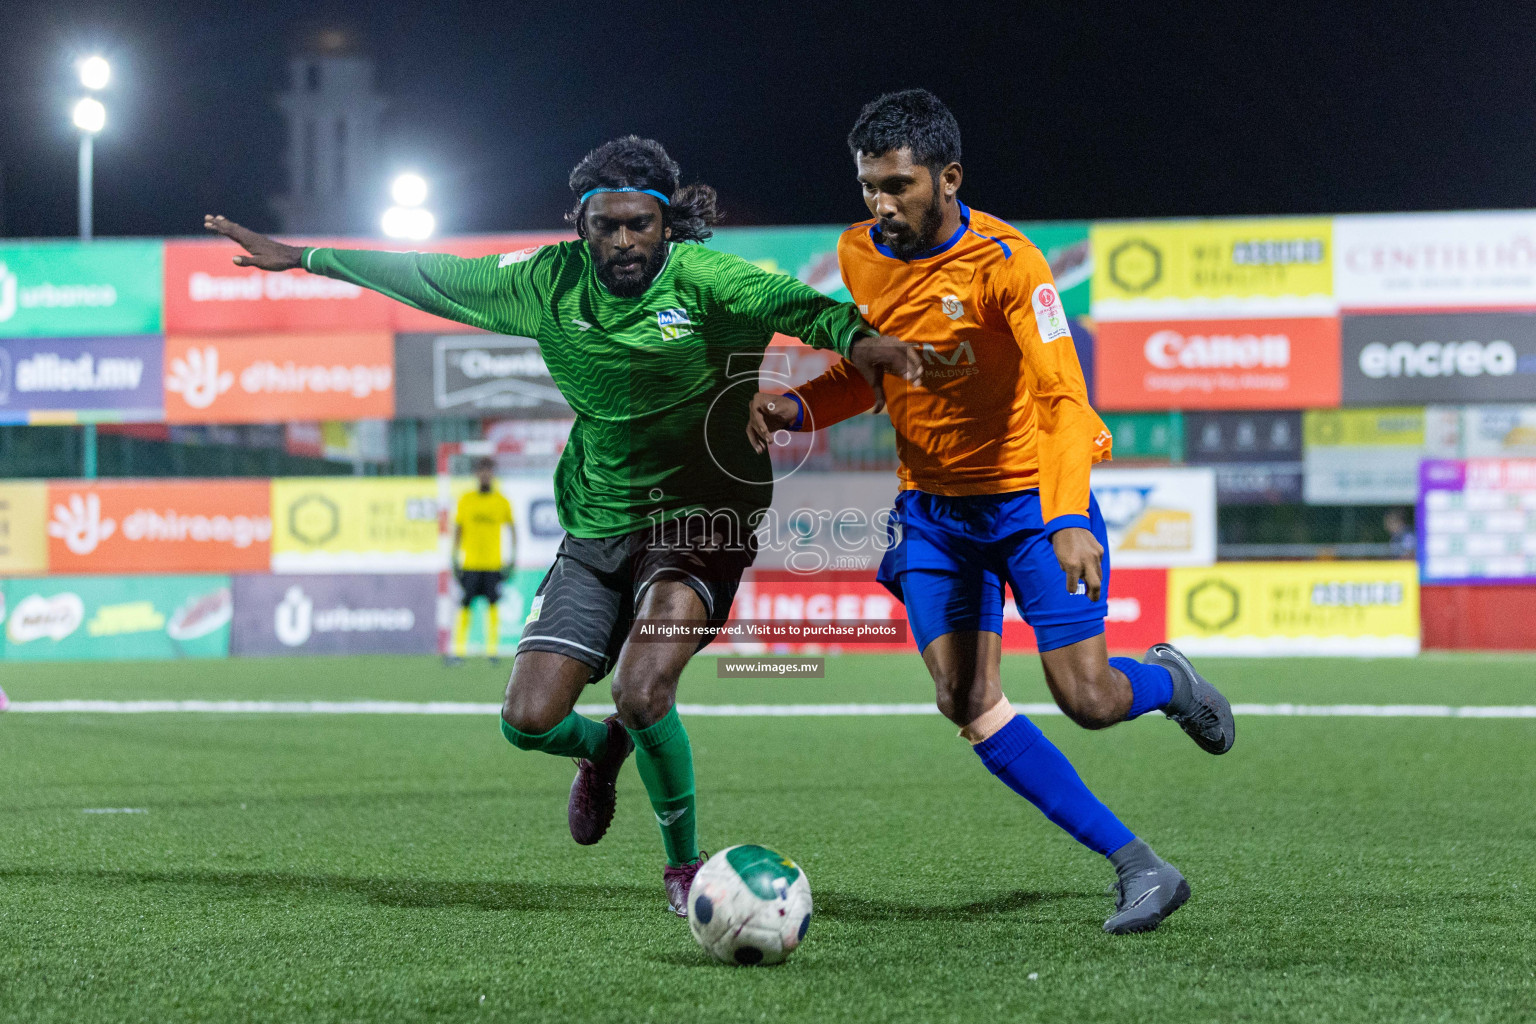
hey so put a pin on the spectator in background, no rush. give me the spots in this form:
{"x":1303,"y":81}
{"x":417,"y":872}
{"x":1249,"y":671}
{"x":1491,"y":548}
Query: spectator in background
{"x":1400,"y":533}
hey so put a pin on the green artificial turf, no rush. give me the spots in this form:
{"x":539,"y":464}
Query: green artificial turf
{"x":373,"y":868}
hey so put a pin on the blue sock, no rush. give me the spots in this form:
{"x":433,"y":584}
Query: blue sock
{"x":1031,"y":766}
{"x":1151,"y":685}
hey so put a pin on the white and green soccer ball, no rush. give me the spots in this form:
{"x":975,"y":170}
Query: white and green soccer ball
{"x":749,"y":905}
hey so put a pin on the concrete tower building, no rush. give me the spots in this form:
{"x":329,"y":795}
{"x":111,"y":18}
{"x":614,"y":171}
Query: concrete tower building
{"x":335,"y":182}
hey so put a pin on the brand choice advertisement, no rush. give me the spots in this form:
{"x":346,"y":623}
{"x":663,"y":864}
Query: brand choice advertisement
{"x":335,"y":615}
{"x":204,"y":292}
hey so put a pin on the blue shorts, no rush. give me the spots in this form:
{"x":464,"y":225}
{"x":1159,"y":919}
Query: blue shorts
{"x":949,"y":559}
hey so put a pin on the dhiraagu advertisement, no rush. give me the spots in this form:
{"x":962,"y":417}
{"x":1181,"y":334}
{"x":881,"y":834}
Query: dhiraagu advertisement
{"x":1285,"y":608}
{"x":114,"y":618}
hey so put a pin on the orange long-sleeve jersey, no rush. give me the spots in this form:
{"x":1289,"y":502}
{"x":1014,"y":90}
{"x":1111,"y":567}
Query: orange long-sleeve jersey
{"x":1003,"y":406}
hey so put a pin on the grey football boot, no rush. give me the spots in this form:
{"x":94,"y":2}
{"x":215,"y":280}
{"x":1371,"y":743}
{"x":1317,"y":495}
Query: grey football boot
{"x":1148,"y":890}
{"x":1197,"y":706}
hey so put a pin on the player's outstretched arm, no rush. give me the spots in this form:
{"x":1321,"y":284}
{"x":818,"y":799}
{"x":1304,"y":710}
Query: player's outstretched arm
{"x":261,"y":252}
{"x":493,"y":293}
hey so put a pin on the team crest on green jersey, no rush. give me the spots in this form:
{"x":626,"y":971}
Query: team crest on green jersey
{"x":674,"y":324}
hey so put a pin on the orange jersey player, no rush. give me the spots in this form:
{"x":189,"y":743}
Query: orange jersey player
{"x":996,"y":444}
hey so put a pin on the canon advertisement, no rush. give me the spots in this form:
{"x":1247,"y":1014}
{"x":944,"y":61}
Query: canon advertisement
{"x":1439,"y":357}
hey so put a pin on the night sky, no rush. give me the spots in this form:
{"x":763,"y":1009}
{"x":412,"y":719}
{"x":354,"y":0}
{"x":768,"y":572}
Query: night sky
{"x":1237,"y":109}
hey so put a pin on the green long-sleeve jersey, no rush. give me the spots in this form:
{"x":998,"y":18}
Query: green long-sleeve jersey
{"x":661,"y":383}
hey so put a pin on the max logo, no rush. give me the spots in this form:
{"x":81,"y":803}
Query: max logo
{"x":674,"y":324}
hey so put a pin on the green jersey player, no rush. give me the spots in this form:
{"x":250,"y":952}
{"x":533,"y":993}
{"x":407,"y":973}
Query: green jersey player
{"x":659,"y":488}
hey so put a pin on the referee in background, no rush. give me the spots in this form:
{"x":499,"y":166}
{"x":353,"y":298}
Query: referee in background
{"x":479,"y":561}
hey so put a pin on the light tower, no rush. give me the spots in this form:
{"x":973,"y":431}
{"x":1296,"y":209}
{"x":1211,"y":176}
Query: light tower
{"x":332,"y":157}
{"x":90,"y":116}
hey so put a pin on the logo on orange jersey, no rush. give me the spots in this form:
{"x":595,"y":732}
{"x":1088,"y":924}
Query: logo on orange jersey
{"x":1050,"y":317}
{"x":952,"y":307}
{"x":931,"y":354}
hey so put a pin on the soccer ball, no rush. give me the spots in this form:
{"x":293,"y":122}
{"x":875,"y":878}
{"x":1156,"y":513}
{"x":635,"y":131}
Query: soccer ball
{"x":749,"y":905}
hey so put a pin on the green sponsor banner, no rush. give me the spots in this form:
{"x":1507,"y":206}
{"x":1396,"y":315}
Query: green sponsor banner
{"x":80,"y":289}
{"x":810,"y":254}
{"x":1066,"y":249}
{"x":807,"y":254}
{"x":116,"y":618}
{"x":1147,"y":435}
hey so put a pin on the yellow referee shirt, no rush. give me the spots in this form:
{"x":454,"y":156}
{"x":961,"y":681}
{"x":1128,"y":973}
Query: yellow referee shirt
{"x":480,"y":517}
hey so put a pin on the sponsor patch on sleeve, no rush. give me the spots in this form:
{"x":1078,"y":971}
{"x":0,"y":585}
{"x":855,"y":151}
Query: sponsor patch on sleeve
{"x":1050,"y":318}
{"x":509,"y":258}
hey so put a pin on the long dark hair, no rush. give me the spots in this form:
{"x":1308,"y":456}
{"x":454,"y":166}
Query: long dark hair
{"x":633,"y":162}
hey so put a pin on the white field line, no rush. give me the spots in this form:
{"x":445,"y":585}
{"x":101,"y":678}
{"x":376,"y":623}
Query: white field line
{"x":390,"y":707}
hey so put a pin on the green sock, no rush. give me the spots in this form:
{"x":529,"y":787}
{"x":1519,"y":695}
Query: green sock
{"x":575,"y":736}
{"x":665,"y":760}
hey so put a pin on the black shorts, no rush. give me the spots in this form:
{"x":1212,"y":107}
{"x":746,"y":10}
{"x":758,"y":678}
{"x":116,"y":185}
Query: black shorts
{"x":480,"y":584}
{"x":586,"y":604}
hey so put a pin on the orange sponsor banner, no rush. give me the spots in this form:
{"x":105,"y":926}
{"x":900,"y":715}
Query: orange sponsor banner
{"x":205,"y":293}
{"x":159,"y":526}
{"x":274,"y":378}
{"x":1218,"y":364}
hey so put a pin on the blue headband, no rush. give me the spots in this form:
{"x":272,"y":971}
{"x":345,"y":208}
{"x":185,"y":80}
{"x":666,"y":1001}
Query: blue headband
{"x":589,"y":193}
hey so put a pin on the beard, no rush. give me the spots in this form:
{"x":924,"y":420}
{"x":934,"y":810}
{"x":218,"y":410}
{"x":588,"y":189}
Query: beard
{"x":906,"y":244}
{"x":631,"y":286}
